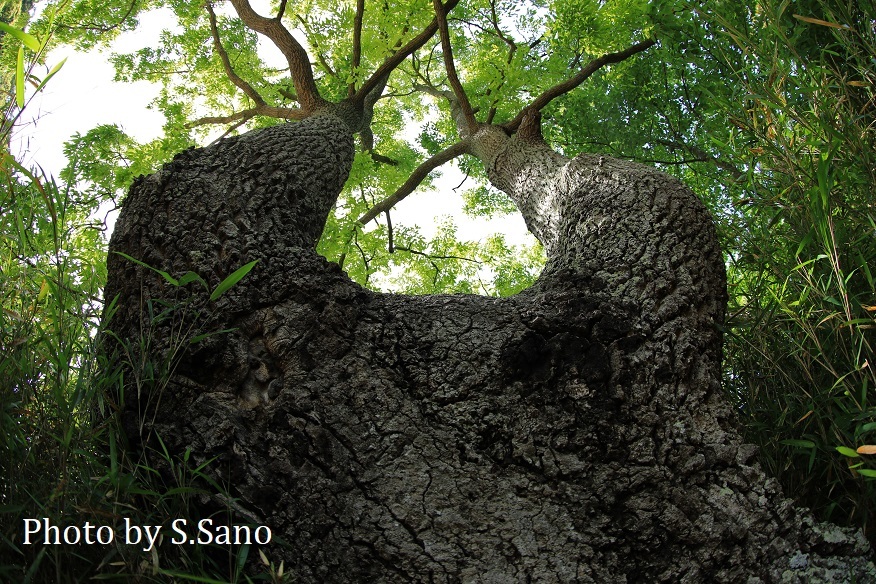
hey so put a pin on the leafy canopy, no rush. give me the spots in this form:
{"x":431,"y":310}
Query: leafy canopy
{"x":218,"y":76}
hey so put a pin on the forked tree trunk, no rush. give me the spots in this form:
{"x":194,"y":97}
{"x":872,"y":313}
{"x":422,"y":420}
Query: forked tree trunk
{"x":572,"y":433}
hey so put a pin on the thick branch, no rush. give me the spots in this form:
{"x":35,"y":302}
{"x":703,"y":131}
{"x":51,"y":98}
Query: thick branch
{"x":446,"y":48}
{"x":357,"y":43}
{"x":226,"y":62}
{"x":417,"y":177}
{"x":366,"y":134}
{"x":397,"y":58}
{"x":455,"y":109}
{"x":568,"y":85}
{"x":283,"y":113}
{"x":296,"y":56}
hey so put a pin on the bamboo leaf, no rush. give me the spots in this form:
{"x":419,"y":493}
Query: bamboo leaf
{"x":163,"y":274}
{"x":201,"y":337}
{"x":51,"y":74}
{"x":799,"y":443}
{"x":30,"y":41}
{"x":44,"y":291}
{"x":233,"y":279}
{"x":19,"y":79}
{"x":189,"y":277}
{"x":822,"y":22}
{"x":847,"y":452}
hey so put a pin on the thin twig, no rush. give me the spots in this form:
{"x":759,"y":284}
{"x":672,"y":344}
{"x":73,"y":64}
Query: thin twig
{"x":284,"y":113}
{"x":226,"y":62}
{"x":417,"y":177}
{"x":396,"y":59}
{"x":568,"y":85}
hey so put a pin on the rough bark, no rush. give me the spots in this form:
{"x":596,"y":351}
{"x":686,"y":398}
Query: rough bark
{"x":572,"y":433}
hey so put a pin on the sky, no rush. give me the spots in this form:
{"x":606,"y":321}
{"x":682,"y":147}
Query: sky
{"x":83,"y":95}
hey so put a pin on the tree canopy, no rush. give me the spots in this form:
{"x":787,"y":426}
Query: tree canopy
{"x":765,"y":109}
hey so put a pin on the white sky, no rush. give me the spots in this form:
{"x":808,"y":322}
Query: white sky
{"x":83,"y":95}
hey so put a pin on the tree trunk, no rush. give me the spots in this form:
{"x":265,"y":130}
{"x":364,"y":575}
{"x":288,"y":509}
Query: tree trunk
{"x":572,"y":433}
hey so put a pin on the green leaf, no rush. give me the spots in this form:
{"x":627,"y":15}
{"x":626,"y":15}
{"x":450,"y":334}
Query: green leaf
{"x":199,"y":338}
{"x":192,"y":578}
{"x":30,"y":41}
{"x":233,"y":279}
{"x":19,"y":79}
{"x":867,"y":472}
{"x":51,"y":74}
{"x":242,"y":555}
{"x":799,"y":443}
{"x":847,"y":452}
{"x":165,"y":275}
{"x":189,"y":277}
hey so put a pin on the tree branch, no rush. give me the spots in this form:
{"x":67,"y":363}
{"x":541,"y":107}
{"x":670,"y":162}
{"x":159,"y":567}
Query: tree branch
{"x":283,"y":113}
{"x":494,"y":20}
{"x":357,"y":43}
{"x":397,"y":58}
{"x":446,"y":48}
{"x":417,"y":177}
{"x":319,"y":54}
{"x":296,"y":56}
{"x":226,"y":62}
{"x":290,"y":95}
{"x":436,"y":256}
{"x":228,"y":131}
{"x":102,"y":28}
{"x":703,"y":156}
{"x":455,"y":110}
{"x":568,"y":85}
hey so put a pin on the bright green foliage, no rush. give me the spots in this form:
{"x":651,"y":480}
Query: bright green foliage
{"x":21,"y":54}
{"x":105,"y":161}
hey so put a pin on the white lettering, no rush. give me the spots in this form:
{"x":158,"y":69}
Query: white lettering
{"x":223,"y":535}
{"x":202,"y":527}
{"x":131,"y":528}
{"x":28,"y":531}
{"x":237,"y":530}
{"x":109,"y":536}
{"x":88,"y":527}
{"x":178,"y":526}
{"x":267,"y":535}
{"x":75,"y":531}
{"x":48,"y":529}
{"x":151,"y":536}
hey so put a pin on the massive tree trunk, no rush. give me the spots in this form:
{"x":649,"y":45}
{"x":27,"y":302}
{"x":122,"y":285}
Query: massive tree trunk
{"x":572,"y":433}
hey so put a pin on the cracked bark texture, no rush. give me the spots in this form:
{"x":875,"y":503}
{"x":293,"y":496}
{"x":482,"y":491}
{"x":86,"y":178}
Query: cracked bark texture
{"x":572,"y":433}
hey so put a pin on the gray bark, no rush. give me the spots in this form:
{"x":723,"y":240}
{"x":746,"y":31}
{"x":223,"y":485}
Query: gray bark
{"x":573,"y":433}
